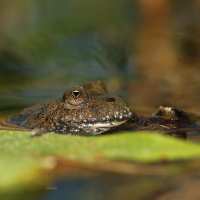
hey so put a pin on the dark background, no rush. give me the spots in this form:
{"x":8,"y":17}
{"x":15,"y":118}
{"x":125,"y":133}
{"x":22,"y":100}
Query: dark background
{"x":146,"y":51}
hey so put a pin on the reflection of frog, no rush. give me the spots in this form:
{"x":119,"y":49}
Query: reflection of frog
{"x":86,"y":110}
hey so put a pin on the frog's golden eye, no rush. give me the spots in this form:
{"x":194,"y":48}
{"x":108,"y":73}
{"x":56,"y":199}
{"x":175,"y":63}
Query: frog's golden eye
{"x":75,"y":97}
{"x":76,"y":93}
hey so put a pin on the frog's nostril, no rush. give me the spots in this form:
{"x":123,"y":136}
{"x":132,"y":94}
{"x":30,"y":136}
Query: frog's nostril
{"x":110,"y":99}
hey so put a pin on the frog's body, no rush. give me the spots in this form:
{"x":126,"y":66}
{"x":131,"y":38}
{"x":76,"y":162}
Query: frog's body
{"x":86,"y":110}
{"x":90,"y":110}
{"x":166,"y":119}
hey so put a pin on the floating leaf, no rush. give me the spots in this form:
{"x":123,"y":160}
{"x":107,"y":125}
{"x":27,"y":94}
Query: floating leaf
{"x":23,"y":156}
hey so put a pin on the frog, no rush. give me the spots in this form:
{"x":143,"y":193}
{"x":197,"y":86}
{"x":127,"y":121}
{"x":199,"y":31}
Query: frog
{"x":91,"y":110}
{"x":86,"y":110}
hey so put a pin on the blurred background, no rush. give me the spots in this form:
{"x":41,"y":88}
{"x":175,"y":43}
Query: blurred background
{"x":148,"y":51}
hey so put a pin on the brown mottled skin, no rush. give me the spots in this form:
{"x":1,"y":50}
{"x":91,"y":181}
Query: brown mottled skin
{"x":90,"y":110}
{"x":87,"y":110}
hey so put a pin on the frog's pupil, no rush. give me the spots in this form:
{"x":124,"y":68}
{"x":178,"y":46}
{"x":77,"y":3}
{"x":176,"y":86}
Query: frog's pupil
{"x":76,"y":93}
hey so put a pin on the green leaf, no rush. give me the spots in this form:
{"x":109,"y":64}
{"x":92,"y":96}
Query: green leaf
{"x":23,"y":157}
{"x":140,"y":146}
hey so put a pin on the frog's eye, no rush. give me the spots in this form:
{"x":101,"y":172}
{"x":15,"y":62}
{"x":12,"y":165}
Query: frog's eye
{"x":76,"y":93}
{"x":75,"y":97}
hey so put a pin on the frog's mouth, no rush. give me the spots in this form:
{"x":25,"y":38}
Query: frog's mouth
{"x":106,"y":124}
{"x":98,"y":128}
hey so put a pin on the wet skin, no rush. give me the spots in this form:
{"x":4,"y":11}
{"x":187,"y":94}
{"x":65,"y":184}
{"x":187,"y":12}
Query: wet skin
{"x":90,"y":110}
{"x":87,"y":110}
